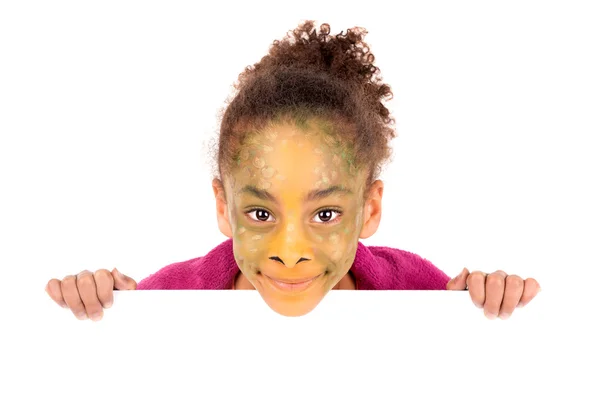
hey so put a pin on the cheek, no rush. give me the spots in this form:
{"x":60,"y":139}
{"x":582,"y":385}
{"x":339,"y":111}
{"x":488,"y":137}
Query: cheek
{"x":248,"y":247}
{"x":334,"y":238}
{"x":333,"y":247}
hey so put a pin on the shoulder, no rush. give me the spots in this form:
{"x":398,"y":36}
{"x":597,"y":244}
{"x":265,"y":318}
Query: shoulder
{"x":179,"y":275}
{"x":391,"y":268}
{"x":215,"y":270}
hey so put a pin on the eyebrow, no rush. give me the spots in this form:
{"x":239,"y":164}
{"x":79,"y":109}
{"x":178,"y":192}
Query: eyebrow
{"x":312,"y":196}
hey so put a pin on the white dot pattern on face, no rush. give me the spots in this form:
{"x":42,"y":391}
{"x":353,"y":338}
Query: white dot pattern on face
{"x":241,"y":230}
{"x":263,"y":184}
{"x":267,"y":149}
{"x":334,"y":238}
{"x":334,"y":175}
{"x":320,"y":185}
{"x":318,"y":151}
{"x":268,"y":172}
{"x":336,"y":254}
{"x":336,"y":160}
{"x":288,"y":239}
{"x":244,"y":154}
{"x":319,"y":238}
{"x":256,"y":237}
{"x":258,"y":162}
{"x":253,"y":250}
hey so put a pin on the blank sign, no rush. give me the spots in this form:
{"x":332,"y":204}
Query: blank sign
{"x":229,"y":344}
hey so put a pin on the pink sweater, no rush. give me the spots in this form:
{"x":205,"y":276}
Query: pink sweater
{"x":374,"y":268}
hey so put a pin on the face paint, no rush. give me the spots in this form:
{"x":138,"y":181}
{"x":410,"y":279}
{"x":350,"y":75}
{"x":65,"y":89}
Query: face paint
{"x":281,"y":233}
{"x":268,"y":172}
{"x":258,"y":162}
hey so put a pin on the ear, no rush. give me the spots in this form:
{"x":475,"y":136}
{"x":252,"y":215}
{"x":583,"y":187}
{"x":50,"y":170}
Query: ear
{"x":372,"y":210}
{"x":222,"y":208}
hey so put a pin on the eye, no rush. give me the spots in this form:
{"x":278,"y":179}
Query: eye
{"x":259,"y":214}
{"x":327,"y":216}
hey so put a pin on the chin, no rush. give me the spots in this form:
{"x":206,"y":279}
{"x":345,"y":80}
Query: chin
{"x":293,"y":308}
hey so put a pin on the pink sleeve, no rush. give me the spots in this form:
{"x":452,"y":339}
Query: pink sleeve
{"x":403,"y":270}
{"x":171,"y":277}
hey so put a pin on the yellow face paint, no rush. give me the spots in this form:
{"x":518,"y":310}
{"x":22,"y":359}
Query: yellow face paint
{"x":296,"y":213}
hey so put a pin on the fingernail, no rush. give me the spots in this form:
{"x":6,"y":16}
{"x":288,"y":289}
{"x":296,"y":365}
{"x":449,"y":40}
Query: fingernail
{"x":489,"y":315}
{"x":539,"y":290}
{"x":96,"y":317}
{"x":108,"y":304}
{"x":64,"y":305}
{"x":478,"y":305}
{"x":504,"y":316}
{"x":519,"y":305}
{"x":81,"y":316}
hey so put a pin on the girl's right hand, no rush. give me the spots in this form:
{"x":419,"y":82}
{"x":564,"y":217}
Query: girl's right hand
{"x":87,"y":293}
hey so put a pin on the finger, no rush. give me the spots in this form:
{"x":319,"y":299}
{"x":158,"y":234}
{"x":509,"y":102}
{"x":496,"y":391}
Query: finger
{"x":512,"y":294}
{"x":71,"y":295}
{"x":104,"y":287}
{"x":86,"y":285}
{"x":494,"y":293}
{"x":459,"y":282}
{"x":531,"y":289}
{"x":55,"y":293}
{"x":123,"y":282}
{"x":476,"y":285}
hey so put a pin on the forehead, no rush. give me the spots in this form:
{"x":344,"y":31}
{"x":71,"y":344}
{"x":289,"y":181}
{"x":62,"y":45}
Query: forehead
{"x":293,"y":157}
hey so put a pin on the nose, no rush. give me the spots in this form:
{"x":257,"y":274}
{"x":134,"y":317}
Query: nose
{"x":290,"y":265}
{"x":291,"y":247}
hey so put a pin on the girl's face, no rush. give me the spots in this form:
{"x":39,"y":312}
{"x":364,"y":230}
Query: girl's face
{"x":295,"y":210}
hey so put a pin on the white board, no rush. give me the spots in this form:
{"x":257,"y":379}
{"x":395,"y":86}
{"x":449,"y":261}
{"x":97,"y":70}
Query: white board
{"x":229,"y":344}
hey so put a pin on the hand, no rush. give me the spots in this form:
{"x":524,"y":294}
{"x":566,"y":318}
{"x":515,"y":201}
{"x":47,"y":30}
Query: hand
{"x":87,"y":293}
{"x":497,"y":293}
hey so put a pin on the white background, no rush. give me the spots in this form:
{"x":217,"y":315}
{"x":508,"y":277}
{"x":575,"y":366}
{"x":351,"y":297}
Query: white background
{"x":106,"y":112}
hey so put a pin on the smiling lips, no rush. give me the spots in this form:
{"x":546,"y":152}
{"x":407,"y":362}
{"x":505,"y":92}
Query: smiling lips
{"x":292,"y":285}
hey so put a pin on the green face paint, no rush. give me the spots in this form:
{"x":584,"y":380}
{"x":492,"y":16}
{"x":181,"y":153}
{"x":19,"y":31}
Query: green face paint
{"x":284,"y":227}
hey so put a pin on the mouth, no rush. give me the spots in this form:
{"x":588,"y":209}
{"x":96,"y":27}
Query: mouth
{"x":293,"y":286}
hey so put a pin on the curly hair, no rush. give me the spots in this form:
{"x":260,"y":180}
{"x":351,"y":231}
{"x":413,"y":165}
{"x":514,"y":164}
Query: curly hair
{"x":313,"y":74}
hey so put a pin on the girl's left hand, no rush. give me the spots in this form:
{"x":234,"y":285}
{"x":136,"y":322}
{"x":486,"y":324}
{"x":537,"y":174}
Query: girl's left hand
{"x":497,"y":293}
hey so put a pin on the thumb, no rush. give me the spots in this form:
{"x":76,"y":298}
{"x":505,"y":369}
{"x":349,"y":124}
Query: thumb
{"x":123,"y":282}
{"x":459,"y":282}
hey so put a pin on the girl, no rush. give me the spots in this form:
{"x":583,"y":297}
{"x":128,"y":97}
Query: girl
{"x":300,"y":149}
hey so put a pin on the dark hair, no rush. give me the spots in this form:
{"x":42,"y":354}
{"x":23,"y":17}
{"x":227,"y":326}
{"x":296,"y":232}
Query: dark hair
{"x":313,"y":74}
